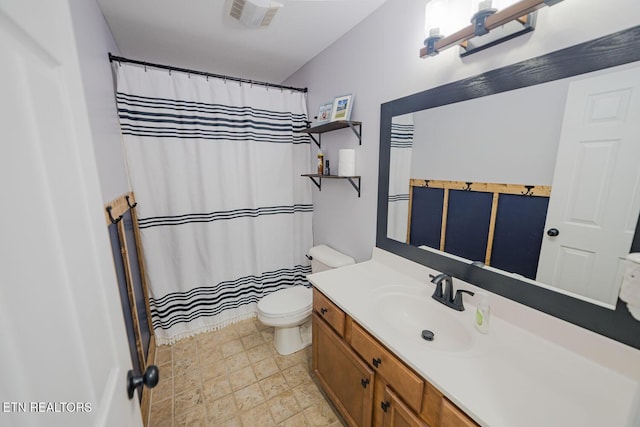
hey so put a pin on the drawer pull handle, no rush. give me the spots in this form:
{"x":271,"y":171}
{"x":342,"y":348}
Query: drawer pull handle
{"x":377,"y":361}
{"x":323,"y":310}
{"x":385,"y":405}
{"x":364,"y":382}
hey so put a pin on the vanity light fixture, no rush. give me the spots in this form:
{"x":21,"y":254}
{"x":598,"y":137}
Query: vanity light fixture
{"x":492,"y":22}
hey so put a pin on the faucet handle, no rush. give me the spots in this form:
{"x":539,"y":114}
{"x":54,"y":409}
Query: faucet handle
{"x":437,"y":293}
{"x":457,"y":301}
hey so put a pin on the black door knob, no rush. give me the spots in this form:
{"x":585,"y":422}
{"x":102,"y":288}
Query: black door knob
{"x":150,"y":379}
{"x":553,"y":232}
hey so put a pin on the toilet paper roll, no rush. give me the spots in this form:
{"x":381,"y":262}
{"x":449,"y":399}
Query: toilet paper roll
{"x":346,"y":162}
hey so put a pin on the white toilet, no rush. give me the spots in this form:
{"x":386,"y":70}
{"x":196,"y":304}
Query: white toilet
{"x":289,"y":310}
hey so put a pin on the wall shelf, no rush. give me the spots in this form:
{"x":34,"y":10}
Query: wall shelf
{"x":331,"y":126}
{"x":317,"y":180}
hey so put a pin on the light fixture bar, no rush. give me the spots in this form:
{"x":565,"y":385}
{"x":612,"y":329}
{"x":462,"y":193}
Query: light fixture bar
{"x":516,"y":11}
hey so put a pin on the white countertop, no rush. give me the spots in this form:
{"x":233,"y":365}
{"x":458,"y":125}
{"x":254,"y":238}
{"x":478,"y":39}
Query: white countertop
{"x":509,"y":377}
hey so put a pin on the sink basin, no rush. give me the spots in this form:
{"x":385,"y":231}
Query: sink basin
{"x":409,"y":312}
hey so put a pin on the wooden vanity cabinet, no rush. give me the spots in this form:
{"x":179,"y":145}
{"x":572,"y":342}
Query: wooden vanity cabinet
{"x":454,"y":417}
{"x":346,"y":379}
{"x":397,"y":413}
{"x":367,"y":383}
{"x":329,"y":312}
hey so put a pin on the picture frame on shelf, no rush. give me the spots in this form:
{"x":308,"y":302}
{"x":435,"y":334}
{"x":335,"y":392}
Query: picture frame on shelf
{"x":342,"y":106}
{"x":324,"y":112}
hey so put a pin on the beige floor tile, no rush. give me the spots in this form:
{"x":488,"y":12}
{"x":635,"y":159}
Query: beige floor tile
{"x":221,"y":410}
{"x":227,"y":334}
{"x":163,"y":354}
{"x":297,"y":420}
{"x":242,"y":378}
{"x":196,"y":416}
{"x":260,"y":352}
{"x":166,"y":370}
{"x":215,"y":388}
{"x":320,"y":415}
{"x":184,"y":348}
{"x":296,"y":375}
{"x":273,"y":385}
{"x":232,"y":347}
{"x":233,"y":422}
{"x":257,"y":417}
{"x":187,"y":381}
{"x":234,"y":377}
{"x":183,"y":364}
{"x":209,"y":352}
{"x":283,"y":406}
{"x":261,"y":326}
{"x":237,"y":362}
{"x":308,"y":394}
{"x":249,"y":397}
{"x":253,"y":340}
{"x":163,"y":390}
{"x":265,"y":368}
{"x":245,"y":328}
{"x":213,"y":370}
{"x":161,"y":413}
{"x":186,"y":401}
{"x":267,"y":335}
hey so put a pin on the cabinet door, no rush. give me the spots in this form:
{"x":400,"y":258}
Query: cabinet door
{"x":344,"y":377}
{"x":454,"y":417}
{"x":397,"y":414}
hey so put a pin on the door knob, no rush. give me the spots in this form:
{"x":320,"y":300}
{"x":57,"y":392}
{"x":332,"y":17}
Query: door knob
{"x":553,"y":232}
{"x":150,"y":379}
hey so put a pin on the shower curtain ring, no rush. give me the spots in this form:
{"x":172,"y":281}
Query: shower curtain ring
{"x":129,"y":203}
{"x":111,"y":218}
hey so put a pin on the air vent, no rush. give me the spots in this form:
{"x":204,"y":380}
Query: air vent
{"x":254,"y":13}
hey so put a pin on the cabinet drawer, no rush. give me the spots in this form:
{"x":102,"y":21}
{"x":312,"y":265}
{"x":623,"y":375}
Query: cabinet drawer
{"x":329,"y":312}
{"x":404,"y":382}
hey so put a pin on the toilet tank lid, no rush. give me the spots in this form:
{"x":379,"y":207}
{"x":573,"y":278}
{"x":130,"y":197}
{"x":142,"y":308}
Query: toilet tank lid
{"x":330,"y":257}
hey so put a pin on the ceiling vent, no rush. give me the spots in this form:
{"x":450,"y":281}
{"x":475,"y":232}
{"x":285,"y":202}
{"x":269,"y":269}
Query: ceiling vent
{"x":255,"y":13}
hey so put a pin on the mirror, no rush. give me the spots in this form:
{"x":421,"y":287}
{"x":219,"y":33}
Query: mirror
{"x":503,"y":157}
{"x":529,"y":137}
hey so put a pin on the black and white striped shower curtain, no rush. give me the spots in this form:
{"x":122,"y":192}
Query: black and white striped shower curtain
{"x":399,"y":177}
{"x":225,"y":216}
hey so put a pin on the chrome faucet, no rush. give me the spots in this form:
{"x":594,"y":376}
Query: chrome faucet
{"x":446,"y":296}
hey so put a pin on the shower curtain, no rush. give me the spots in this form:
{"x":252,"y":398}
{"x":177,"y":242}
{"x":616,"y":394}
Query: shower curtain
{"x":225,"y":217}
{"x":399,"y":176}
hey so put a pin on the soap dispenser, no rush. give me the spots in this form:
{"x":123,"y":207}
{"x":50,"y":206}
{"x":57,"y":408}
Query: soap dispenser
{"x":482,"y":313}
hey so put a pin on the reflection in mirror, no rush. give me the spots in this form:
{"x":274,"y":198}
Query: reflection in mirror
{"x":540,"y":182}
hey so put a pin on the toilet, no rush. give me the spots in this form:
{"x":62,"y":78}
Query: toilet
{"x":289,"y":310}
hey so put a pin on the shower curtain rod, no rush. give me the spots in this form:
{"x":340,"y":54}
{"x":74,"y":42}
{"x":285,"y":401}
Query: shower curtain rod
{"x":113,"y":58}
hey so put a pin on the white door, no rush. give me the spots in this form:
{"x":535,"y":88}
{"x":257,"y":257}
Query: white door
{"x":595,"y":196}
{"x":64,"y":355}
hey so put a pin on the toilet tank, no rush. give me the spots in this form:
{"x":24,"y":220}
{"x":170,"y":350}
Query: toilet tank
{"x":325,"y":258}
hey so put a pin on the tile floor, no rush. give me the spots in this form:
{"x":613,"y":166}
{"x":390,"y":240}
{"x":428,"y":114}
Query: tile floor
{"x":235,"y":377}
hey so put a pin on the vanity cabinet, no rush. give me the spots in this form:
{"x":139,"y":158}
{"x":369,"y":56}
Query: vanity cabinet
{"x":396,"y":413}
{"x":367,"y":383}
{"x":346,"y":379}
{"x":454,"y":417}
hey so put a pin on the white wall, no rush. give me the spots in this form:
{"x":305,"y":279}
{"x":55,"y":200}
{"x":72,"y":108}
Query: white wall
{"x":94,"y":41}
{"x":378,"y":61}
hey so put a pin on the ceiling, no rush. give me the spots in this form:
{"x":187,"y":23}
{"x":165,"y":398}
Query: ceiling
{"x":200,"y":34}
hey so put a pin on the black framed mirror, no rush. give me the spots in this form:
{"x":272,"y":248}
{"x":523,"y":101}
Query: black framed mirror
{"x":609,"y":51}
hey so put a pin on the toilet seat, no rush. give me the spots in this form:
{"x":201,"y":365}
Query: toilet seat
{"x":286,"y":302}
